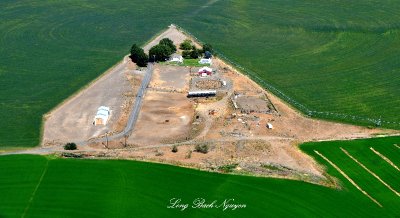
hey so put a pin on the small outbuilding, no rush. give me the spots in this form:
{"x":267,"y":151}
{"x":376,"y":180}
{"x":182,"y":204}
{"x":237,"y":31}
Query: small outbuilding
{"x":176,"y":58}
{"x":205,"y":61}
{"x":102,"y":116}
{"x":269,"y":126}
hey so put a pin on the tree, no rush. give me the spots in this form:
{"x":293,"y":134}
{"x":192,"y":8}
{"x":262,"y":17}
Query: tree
{"x":174,"y":149}
{"x":186,"y":54}
{"x":208,"y":47}
{"x":138,"y":56}
{"x":194,"y":54}
{"x":186,"y":45}
{"x":70,"y":146}
{"x":207,"y":54}
{"x":169,"y":43}
{"x":160,"y":52}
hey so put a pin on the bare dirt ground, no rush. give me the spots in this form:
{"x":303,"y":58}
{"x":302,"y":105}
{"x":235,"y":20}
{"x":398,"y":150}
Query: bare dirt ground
{"x":170,"y":78}
{"x":172,"y":33}
{"x":73,"y":120}
{"x":164,"y":118}
{"x":237,"y":142}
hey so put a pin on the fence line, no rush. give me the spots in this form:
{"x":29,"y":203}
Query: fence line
{"x":280,"y":94}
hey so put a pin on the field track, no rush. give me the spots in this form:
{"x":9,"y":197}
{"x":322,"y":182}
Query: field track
{"x":369,"y":171}
{"x":348,"y":178}
{"x":385,"y":158}
{"x":359,"y":167}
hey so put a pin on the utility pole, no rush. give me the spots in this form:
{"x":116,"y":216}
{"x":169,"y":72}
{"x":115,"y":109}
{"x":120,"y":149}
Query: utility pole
{"x":107,"y":140}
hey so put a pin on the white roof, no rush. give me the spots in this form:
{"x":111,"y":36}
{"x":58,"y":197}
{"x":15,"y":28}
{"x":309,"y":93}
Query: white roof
{"x":205,"y":61}
{"x":103,"y":113}
{"x":203,"y":92}
{"x":103,"y":108}
{"x":205,"y":69}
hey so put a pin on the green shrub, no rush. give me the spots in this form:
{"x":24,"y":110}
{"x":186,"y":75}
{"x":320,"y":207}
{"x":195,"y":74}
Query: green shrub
{"x":203,"y":148}
{"x":70,"y":146}
{"x":227,"y":168}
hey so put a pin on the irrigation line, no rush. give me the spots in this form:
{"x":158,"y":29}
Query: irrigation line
{"x":348,"y":178}
{"x":385,"y":158}
{"x":369,"y":171}
{"x":280,"y":94}
{"x":396,"y":146}
{"x":35,"y":190}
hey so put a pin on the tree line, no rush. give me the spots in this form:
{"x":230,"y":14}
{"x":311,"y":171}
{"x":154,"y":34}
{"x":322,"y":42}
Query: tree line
{"x":165,"y":48}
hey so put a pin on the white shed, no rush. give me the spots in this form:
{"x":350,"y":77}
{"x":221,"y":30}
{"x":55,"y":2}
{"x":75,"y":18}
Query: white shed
{"x":176,"y":58}
{"x":102,"y":116}
{"x":269,"y":126}
{"x":205,"y":61}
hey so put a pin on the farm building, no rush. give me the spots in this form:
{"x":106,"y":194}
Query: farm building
{"x":205,"y":61}
{"x":102,"y":116}
{"x":205,"y":71}
{"x":176,"y":58}
{"x":202,"y":93}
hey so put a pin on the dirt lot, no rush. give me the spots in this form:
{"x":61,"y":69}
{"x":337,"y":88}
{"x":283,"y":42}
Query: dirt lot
{"x":164,"y":118}
{"x":73,"y":120}
{"x":171,"y":78}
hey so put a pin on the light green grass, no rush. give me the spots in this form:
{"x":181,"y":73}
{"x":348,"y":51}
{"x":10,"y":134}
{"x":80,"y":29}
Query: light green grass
{"x":193,"y":63}
{"x":111,"y":188}
{"x":360,"y":149}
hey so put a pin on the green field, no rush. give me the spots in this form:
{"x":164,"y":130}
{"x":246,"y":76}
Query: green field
{"x":360,"y":150}
{"x":331,"y":59}
{"x":37,"y":186}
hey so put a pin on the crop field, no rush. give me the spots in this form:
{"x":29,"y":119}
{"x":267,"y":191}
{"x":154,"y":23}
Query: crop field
{"x":371,"y":164}
{"x":39,"y":186}
{"x":334,"y":60}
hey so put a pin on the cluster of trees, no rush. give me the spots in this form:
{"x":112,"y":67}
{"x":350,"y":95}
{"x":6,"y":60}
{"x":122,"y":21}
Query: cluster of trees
{"x":191,"y":52}
{"x":165,"y":48}
{"x":162,"y":51}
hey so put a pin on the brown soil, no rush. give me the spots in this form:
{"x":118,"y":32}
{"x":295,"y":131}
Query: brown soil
{"x":208,"y":84}
{"x":164,"y":118}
